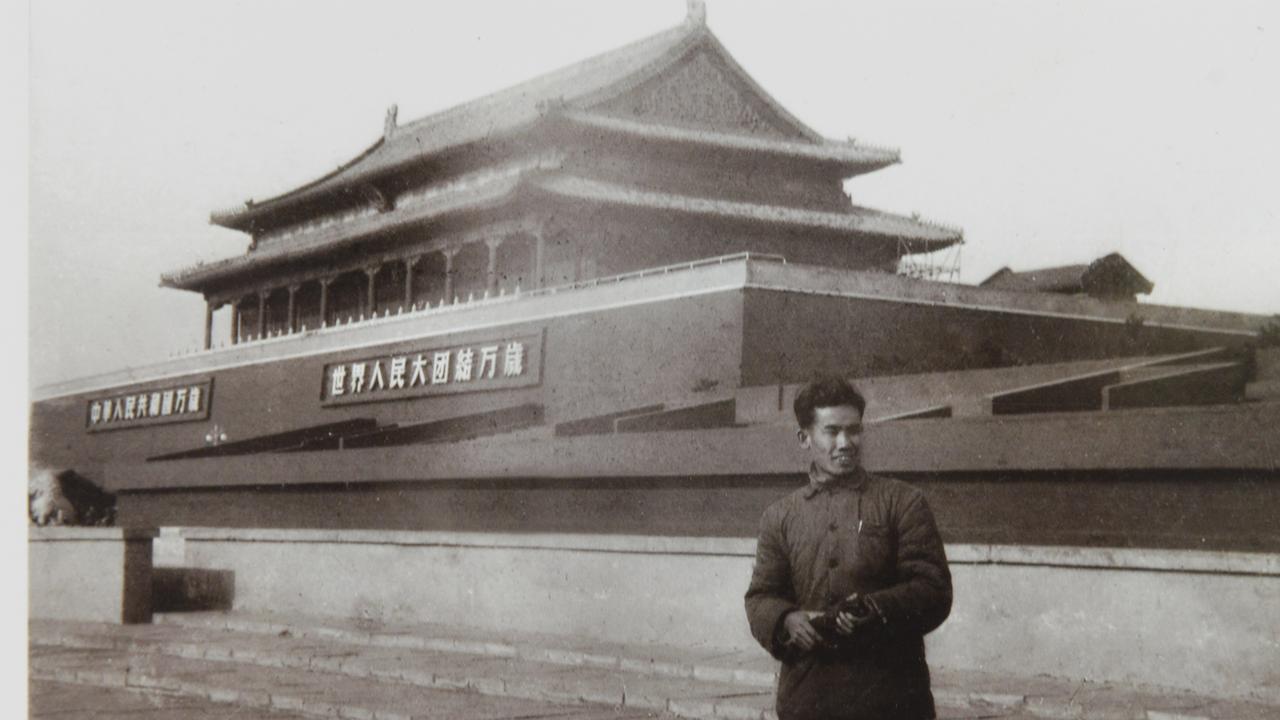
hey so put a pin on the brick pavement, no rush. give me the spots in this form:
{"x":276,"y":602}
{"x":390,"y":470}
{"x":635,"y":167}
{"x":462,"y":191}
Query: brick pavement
{"x":345,"y":668}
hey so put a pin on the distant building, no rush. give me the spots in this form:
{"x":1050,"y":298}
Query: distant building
{"x":1110,"y":277}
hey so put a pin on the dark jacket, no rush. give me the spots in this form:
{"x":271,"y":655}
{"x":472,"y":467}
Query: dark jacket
{"x":869,"y":535}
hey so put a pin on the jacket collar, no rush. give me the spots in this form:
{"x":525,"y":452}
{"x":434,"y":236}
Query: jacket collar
{"x":821,"y":482}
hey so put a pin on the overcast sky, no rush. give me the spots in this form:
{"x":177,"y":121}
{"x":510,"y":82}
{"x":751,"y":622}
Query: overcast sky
{"x":1051,"y":132}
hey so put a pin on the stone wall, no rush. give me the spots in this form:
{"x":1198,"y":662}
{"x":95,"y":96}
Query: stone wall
{"x":1197,"y":620}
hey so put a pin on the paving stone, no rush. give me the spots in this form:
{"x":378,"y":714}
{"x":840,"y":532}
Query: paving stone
{"x":556,"y":683}
{"x":241,"y":696}
{"x":658,"y":693}
{"x":653,"y":666}
{"x":591,"y":713}
{"x":757,"y":678}
{"x":1055,"y":707}
{"x":703,"y":708}
{"x":745,"y":707}
{"x":983,"y":703}
{"x":563,"y":656}
{"x":356,"y":713}
{"x":968,"y":713}
{"x":1167,"y":705}
{"x":1239,"y":710}
{"x":388,"y":663}
{"x":63,"y":701}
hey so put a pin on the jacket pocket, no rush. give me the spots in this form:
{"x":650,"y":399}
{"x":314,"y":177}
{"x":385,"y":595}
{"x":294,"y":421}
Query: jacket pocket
{"x":875,"y":549}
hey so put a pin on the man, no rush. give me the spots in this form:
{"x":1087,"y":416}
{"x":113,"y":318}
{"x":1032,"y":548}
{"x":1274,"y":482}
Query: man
{"x":850,"y":575}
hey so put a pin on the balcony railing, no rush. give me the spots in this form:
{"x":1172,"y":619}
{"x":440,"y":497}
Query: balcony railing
{"x":471,"y":302}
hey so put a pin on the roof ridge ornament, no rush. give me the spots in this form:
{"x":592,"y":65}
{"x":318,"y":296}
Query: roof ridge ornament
{"x":389,"y":125}
{"x":697,"y":13}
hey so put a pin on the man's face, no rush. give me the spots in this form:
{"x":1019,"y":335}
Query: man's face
{"x":834,"y":440}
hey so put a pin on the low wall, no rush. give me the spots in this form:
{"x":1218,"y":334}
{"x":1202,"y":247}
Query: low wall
{"x":89,"y":573}
{"x":1204,"y":621}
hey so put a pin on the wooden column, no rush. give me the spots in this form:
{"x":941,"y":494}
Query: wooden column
{"x":262,"y":312}
{"x":372,"y":272}
{"x":408,"y":279}
{"x":209,"y":307}
{"x":491,"y":279}
{"x":291,"y":322}
{"x":448,"y":273}
{"x":235,"y":321}
{"x":324,"y":300}
{"x":539,"y":258}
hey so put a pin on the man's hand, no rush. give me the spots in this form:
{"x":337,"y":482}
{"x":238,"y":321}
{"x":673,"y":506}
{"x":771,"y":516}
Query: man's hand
{"x":841,"y":623}
{"x":800,"y":631}
{"x":846,"y":623}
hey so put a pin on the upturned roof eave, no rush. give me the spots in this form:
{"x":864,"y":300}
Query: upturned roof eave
{"x":927,"y":237}
{"x":849,"y":157}
{"x":530,"y":100}
{"x":239,"y":218}
{"x":200,"y":277}
{"x":512,"y":109}
{"x":917,"y":235}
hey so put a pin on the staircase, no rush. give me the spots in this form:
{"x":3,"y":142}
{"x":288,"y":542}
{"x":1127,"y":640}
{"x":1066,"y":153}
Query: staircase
{"x":352,"y":669}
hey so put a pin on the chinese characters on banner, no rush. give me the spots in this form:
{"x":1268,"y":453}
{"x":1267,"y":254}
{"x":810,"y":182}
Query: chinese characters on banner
{"x":512,"y":362}
{"x":150,"y":407}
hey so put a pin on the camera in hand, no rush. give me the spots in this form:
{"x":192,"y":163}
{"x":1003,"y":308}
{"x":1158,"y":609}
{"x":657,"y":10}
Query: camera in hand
{"x":857,"y":607}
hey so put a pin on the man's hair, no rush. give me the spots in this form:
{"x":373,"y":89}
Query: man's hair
{"x":826,"y":391}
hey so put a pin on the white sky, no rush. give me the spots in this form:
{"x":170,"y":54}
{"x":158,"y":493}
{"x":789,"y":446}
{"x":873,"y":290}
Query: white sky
{"x":1052,"y":132}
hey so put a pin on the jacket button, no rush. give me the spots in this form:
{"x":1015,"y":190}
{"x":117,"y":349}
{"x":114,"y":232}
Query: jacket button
{"x":833,"y":562}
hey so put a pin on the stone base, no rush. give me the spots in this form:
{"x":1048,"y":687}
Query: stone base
{"x":89,"y":573}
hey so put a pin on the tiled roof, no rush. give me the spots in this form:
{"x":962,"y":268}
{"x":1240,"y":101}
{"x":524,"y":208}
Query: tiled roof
{"x":496,"y":187}
{"x":851,"y":155}
{"x":1108,"y":276}
{"x":457,"y":197}
{"x":504,"y":110}
{"x":919,"y":236}
{"x":571,"y":88}
{"x":1065,"y":278}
